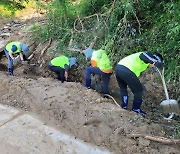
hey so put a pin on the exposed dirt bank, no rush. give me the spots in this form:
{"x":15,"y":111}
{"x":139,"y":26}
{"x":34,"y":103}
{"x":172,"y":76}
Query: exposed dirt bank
{"x":83,"y":113}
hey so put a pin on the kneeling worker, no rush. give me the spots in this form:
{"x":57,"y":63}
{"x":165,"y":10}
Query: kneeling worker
{"x":61,"y":65}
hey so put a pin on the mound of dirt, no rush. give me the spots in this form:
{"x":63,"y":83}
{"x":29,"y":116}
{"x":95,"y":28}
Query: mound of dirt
{"x":82,"y":113}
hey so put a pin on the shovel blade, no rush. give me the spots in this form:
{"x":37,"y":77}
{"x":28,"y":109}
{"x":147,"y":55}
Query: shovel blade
{"x":170,"y":106}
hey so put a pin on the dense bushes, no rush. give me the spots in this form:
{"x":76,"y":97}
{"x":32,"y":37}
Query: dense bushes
{"x":8,"y":7}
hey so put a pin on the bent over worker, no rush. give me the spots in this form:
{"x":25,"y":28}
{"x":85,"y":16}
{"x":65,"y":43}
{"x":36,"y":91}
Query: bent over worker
{"x":127,"y":72}
{"x":100,"y":64}
{"x":61,"y":65}
{"x":13,"y":48}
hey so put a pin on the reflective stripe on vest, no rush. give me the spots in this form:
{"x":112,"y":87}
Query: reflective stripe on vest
{"x":134,"y":63}
{"x":60,"y":61}
{"x":9,"y":47}
{"x":102,"y":61}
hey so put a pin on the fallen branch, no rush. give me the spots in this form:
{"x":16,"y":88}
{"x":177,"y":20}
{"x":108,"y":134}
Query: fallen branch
{"x":81,"y":22}
{"x":71,"y":40}
{"x":43,"y":51}
{"x":73,"y":49}
{"x":138,"y":22}
{"x":110,"y":10}
{"x":93,"y":42}
{"x":80,"y":50}
{"x":155,"y":138}
{"x":97,"y":16}
{"x":31,"y":56}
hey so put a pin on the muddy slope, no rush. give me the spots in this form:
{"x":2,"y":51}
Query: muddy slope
{"x":82,"y":113}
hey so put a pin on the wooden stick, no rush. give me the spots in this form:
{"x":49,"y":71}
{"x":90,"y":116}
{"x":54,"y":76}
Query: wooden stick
{"x":155,"y":138}
{"x":74,"y":49}
{"x":93,"y":42}
{"x":71,"y":40}
{"x":79,"y":50}
{"x":80,"y":21}
{"x":43,"y":51}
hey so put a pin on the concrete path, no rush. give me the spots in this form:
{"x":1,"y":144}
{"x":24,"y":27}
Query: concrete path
{"x":21,"y":133}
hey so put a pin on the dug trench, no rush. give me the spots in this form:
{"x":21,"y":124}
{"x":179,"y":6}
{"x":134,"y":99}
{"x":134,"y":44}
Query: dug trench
{"x":85,"y":114}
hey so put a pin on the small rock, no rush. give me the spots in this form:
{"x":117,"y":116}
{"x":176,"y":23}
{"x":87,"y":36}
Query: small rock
{"x":6,"y":30}
{"x":98,"y":100}
{"x":143,"y":142}
{"x":119,"y":131}
{"x":6,"y":27}
{"x":17,"y":25}
{"x":16,"y":21}
{"x":5,"y":34}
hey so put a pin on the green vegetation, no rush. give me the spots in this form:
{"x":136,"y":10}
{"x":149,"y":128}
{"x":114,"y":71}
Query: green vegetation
{"x":9,"y":7}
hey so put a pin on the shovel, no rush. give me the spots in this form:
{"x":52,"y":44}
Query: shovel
{"x":169,"y":106}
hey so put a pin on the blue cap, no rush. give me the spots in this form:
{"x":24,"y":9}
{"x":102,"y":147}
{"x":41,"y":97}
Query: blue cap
{"x":88,"y":53}
{"x":14,"y":48}
{"x":72,"y":61}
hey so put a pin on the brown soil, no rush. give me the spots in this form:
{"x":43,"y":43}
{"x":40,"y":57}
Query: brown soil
{"x":84,"y":113}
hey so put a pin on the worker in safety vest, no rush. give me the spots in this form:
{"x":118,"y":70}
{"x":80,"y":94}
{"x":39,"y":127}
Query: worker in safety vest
{"x":61,"y":65}
{"x":100,"y":64}
{"x":13,"y":48}
{"x":127,"y":72}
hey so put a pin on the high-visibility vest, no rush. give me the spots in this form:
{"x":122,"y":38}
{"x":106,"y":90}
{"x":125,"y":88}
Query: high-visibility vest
{"x":134,"y":63}
{"x":60,"y":61}
{"x":102,"y":61}
{"x":9,"y":46}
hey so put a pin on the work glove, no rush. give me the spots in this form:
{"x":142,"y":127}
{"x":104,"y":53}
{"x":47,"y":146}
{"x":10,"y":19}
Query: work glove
{"x":158,"y":64}
{"x":155,"y":69}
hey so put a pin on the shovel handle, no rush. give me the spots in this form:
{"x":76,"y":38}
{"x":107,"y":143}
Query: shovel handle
{"x":163,"y":82}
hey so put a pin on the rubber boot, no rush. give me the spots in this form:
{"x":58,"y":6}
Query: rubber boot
{"x":58,"y":77}
{"x":136,"y":107}
{"x":63,"y":79}
{"x":124,"y":100}
{"x":10,"y":70}
{"x":88,"y":83}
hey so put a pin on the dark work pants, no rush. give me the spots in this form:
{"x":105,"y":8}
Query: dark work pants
{"x":59,"y":71}
{"x":105,"y":77}
{"x":126,"y":77}
{"x":10,"y":61}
